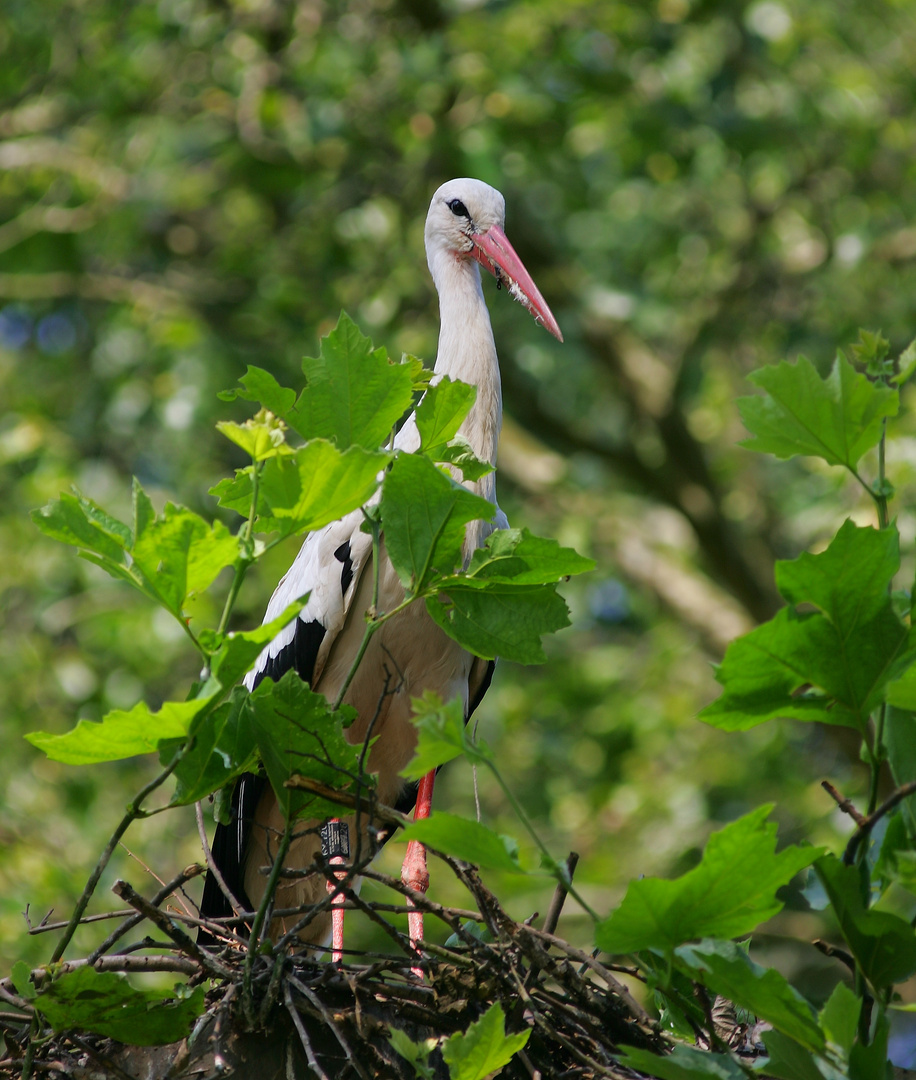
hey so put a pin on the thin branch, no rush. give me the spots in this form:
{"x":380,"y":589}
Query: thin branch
{"x":846,"y":805}
{"x":866,"y":826}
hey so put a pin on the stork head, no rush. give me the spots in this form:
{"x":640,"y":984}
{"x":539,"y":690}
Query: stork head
{"x":466,"y":220}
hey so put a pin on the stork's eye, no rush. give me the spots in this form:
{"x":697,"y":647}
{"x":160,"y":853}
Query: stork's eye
{"x":458,"y":208}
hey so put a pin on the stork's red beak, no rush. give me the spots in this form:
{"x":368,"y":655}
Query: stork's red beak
{"x":494,"y":252}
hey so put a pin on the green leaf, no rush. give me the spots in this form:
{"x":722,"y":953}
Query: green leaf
{"x":21,"y":975}
{"x":79,"y":522}
{"x":683,"y":1063}
{"x":441,"y":412}
{"x":832,"y":664}
{"x":180,"y":555}
{"x":441,"y":734}
{"x":725,"y":968}
{"x":839,"y":1018}
{"x":514,"y":555}
{"x":504,"y":620}
{"x":261,"y":437}
{"x":121,"y":734}
{"x":424,"y":513}
{"x":906,"y":365}
{"x":415,"y":1053}
{"x":354,"y":395}
{"x":224,"y":747}
{"x":460,"y":454}
{"x":837,"y":418}
{"x":465,"y":839}
{"x":106,"y":1004}
{"x":298,"y":732}
{"x":730,"y":892}
{"x":484,"y":1048}
{"x":259,"y":385}
{"x":789,"y":1061}
{"x":883,"y":944}
{"x":315,"y":485}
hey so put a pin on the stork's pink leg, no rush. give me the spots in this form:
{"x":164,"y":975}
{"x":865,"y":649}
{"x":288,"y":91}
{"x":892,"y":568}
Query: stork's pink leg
{"x":414,"y":873}
{"x":334,"y":832}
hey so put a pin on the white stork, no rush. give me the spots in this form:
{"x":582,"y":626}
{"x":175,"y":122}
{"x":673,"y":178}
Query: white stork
{"x":464,"y":230}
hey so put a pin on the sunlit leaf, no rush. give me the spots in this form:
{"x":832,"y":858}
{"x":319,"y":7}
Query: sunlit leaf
{"x":259,"y":385}
{"x":354,"y":394}
{"x":440,"y":414}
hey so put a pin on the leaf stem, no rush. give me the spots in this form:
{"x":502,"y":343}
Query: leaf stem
{"x":261,"y":914}
{"x":246,"y":556}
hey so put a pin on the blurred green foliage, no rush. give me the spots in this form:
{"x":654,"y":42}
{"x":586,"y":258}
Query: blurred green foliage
{"x":698,"y":189}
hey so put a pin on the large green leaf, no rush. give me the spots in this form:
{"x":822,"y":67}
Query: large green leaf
{"x":503,"y":619}
{"x":424,"y":514}
{"x":725,"y":968}
{"x":837,"y":418}
{"x":224,"y":747}
{"x":121,"y":734}
{"x":179,"y":554}
{"x":465,"y":839}
{"x":106,"y":1003}
{"x":306,"y":490}
{"x":298,"y":732}
{"x":484,"y":1048}
{"x":354,"y":395}
{"x":883,"y":944}
{"x":730,"y":892}
{"x":832,"y":664}
{"x":78,"y":521}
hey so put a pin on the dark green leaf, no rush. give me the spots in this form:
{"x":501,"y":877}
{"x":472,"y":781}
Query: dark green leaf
{"x":683,"y":1063}
{"x":839,"y":1018}
{"x":883,"y":944}
{"x":21,"y":974}
{"x":504,"y":620}
{"x":467,"y":840}
{"x":832,"y":664}
{"x":730,"y":892}
{"x":725,"y":968}
{"x":484,"y":1048}
{"x":424,"y":513}
{"x":224,"y":747}
{"x":298,"y":732}
{"x":355,"y":395}
{"x":837,"y":418}
{"x":106,"y":1004}
{"x":789,"y":1061}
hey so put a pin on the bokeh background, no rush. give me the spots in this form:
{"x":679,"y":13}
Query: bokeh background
{"x":699,"y":187}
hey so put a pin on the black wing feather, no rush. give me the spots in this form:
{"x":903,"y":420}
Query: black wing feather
{"x":230,"y":841}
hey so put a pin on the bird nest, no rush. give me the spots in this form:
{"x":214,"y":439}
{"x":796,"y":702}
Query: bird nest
{"x":291,"y":1014}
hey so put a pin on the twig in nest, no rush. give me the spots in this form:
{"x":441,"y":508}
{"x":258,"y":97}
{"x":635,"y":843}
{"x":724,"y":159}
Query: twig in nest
{"x":166,"y":891}
{"x":303,"y":1034}
{"x":211,"y":965}
{"x":328,"y":1020}
{"x":560,"y":894}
